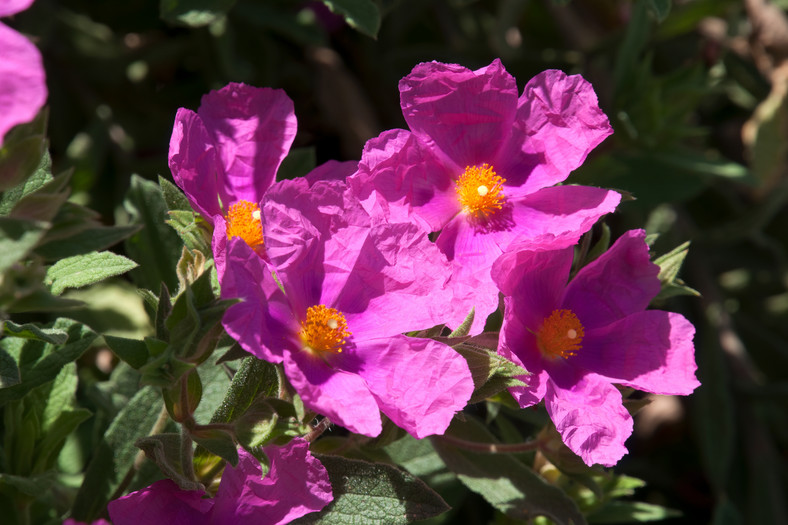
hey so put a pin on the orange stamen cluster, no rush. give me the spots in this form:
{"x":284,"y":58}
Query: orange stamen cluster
{"x":561,"y":334}
{"x":480,"y":191}
{"x":324,"y":329}
{"x":243,"y":220}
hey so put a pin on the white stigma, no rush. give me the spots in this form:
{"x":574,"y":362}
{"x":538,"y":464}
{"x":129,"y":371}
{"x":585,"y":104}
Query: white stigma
{"x":256,"y":215}
{"x":482,"y":190}
{"x":571,"y":333}
{"x":332,"y":324}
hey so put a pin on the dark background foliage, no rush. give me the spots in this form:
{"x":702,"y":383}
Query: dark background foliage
{"x":696,"y":93}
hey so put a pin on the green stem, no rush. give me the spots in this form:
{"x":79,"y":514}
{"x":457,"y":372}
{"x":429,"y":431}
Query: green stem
{"x":187,"y":454}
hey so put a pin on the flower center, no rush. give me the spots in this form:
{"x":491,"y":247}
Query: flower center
{"x":243,"y":220}
{"x":324,"y":329}
{"x":560,"y":335}
{"x":480,"y":191}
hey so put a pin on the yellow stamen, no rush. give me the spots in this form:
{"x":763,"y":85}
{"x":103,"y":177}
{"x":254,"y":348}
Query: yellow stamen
{"x":243,"y":220}
{"x":480,"y":191}
{"x":561,"y":334}
{"x":324,"y":330}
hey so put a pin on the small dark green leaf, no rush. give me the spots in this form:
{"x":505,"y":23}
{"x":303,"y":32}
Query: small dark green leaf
{"x":18,"y":161}
{"x":156,"y":247}
{"x":417,"y":456}
{"x":165,"y":451}
{"x":17,"y":238}
{"x":82,"y":270}
{"x":9,"y":372}
{"x":132,"y":351}
{"x":193,"y":13}
{"x":173,"y":196}
{"x":217,"y":441}
{"x":465,"y":327}
{"x":193,"y":230}
{"x":491,"y":372}
{"x":361,"y":15}
{"x":254,"y":378}
{"x":41,"y":176}
{"x":87,"y":240}
{"x":660,"y":9}
{"x":33,"y":486}
{"x":41,"y":362}
{"x":32,"y":331}
{"x":371,"y":493}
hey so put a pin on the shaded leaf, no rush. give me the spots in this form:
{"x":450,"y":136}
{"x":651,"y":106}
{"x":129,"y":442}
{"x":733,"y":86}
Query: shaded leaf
{"x":491,"y":372}
{"x":33,"y":331}
{"x":132,"y":351}
{"x":82,"y":270}
{"x":193,"y":13}
{"x":165,"y":451}
{"x":362,"y":15}
{"x":371,"y":493}
{"x":17,"y":238}
{"x":629,"y":511}
{"x":87,"y":240}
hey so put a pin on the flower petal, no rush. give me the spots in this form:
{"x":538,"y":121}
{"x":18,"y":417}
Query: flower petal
{"x":162,"y":502}
{"x":252,"y":129}
{"x":649,"y":350}
{"x":262,"y":323}
{"x":558,"y":123}
{"x":399,"y":168}
{"x":620,"y":282}
{"x":193,"y":163}
{"x":296,"y":484}
{"x":10,"y":7}
{"x":518,"y":345}
{"x":24,"y":88}
{"x":463,"y":115}
{"x":342,"y":396}
{"x":418,"y":383}
{"x":589,"y":415}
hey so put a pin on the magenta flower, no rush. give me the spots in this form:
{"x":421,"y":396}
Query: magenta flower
{"x":353,"y":283}
{"x":296,"y":484}
{"x":225,"y":156}
{"x":480,"y":164}
{"x":577,"y":339}
{"x":24,"y":89}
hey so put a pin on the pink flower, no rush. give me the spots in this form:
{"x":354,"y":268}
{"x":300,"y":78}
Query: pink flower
{"x":24,"y":89}
{"x":296,"y":484}
{"x":577,"y":339}
{"x":353,"y":283}
{"x":480,"y":165}
{"x":225,"y":156}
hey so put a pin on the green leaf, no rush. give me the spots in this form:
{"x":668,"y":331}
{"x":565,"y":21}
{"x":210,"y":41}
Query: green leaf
{"x":371,"y":493}
{"x":156,"y":248}
{"x":465,"y":326}
{"x":33,"y":486}
{"x":669,"y":267}
{"x":505,"y":482}
{"x":17,"y":238}
{"x":173,"y":196}
{"x":193,"y":230}
{"x":50,"y":446}
{"x":660,"y":8}
{"x":165,"y":451}
{"x":32,"y":331}
{"x":132,"y":351}
{"x":254,"y":378}
{"x":299,"y":162}
{"x":87,"y":240}
{"x":114,"y":456}
{"x":361,"y":15}
{"x":629,"y":511}
{"x":9,"y":372}
{"x":217,"y":441}
{"x":20,"y":159}
{"x":61,"y":396}
{"x":417,"y":456}
{"x":82,"y":270}
{"x":41,"y":362}
{"x":490,"y":371}
{"x":41,"y":176}
{"x":193,"y":13}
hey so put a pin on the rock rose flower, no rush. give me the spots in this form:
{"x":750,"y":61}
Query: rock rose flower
{"x":296,"y":484}
{"x":353,"y":284}
{"x":24,"y":88}
{"x":577,"y":339}
{"x":481,"y":164}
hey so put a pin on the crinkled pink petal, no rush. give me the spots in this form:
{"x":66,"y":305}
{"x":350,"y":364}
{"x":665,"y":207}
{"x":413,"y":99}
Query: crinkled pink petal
{"x":10,"y":7}
{"x":194,"y":164}
{"x":399,"y":168}
{"x":162,"y":502}
{"x":342,"y":396}
{"x":373,"y":273}
{"x":532,"y":283}
{"x":589,"y":415}
{"x":23,"y":88}
{"x":466,"y":116}
{"x":548,"y":219}
{"x":558,"y":123}
{"x":262,"y":322}
{"x":620,"y":282}
{"x":219,"y":245}
{"x":649,"y":350}
{"x":471,"y":288}
{"x":418,"y":383}
{"x":295,"y":485}
{"x":72,"y":521}
{"x":252,"y":129}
